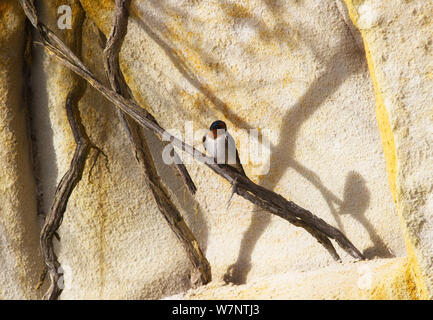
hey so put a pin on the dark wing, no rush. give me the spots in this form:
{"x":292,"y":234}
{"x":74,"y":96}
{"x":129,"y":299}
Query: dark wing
{"x":203,"y":141}
{"x":237,"y":166}
{"x":240,"y":168}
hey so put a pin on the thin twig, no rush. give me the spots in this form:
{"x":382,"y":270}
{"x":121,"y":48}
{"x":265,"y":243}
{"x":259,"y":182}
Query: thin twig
{"x":256,"y":194}
{"x":201,"y":268}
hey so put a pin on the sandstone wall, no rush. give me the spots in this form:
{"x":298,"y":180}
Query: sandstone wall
{"x":20,"y":260}
{"x":398,"y":40}
{"x":347,"y":133}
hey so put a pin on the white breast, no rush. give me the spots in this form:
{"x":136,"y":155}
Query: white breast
{"x":217,"y":148}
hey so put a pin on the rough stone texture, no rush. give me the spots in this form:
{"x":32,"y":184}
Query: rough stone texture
{"x":398,"y":39}
{"x":379,"y":280}
{"x":20,"y":261}
{"x":292,"y":69}
{"x":114,"y":242}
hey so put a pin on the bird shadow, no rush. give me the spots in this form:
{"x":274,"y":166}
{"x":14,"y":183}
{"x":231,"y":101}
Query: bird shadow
{"x":356,"y":197}
{"x":282,"y":157}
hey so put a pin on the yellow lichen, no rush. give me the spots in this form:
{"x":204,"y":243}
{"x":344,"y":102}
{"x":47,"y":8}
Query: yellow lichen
{"x":413,"y":281}
{"x":236,"y":11}
{"x":287,"y":80}
{"x":385,"y":130}
{"x":399,"y":281}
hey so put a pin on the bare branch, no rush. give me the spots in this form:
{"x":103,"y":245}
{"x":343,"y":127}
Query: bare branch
{"x":71,"y":178}
{"x":258,"y":195}
{"x":201,"y":268}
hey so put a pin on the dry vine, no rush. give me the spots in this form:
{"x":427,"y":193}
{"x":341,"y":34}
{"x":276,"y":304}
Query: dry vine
{"x":69,"y":181}
{"x":201,"y":273}
{"x":260,"y":196}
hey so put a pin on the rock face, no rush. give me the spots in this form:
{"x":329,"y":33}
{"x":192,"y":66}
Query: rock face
{"x":378,"y":279}
{"x":306,"y":82}
{"x":20,"y":260}
{"x":336,"y":123}
{"x":398,"y":38}
{"x":114,"y":243}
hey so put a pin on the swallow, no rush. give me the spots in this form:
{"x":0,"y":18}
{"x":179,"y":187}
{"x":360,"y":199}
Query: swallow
{"x":220,"y":145}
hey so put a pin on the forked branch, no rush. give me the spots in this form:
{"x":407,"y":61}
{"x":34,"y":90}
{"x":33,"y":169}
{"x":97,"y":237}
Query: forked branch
{"x":69,"y":181}
{"x":266,"y":199}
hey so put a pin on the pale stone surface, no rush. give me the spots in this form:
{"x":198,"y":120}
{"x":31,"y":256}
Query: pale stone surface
{"x":399,"y":35}
{"x":378,"y":279}
{"x":350,"y":281}
{"x":20,"y":261}
{"x":114,"y":242}
{"x":294,"y":70}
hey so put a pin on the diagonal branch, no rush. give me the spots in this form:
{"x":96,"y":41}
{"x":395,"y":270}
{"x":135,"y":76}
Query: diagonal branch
{"x":64,"y":190}
{"x":258,"y":195}
{"x":202,"y":272}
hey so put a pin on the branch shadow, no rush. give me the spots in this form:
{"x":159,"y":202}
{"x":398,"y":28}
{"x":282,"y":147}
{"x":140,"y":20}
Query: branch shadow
{"x":283,"y":155}
{"x":187,"y":202}
{"x":356,"y":197}
{"x":186,"y":72}
{"x":44,"y":158}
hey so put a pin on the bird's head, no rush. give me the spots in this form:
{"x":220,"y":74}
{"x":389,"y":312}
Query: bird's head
{"x":218,"y":125}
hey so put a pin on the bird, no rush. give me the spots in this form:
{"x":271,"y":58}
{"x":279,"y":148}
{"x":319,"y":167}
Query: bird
{"x":220,"y":145}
